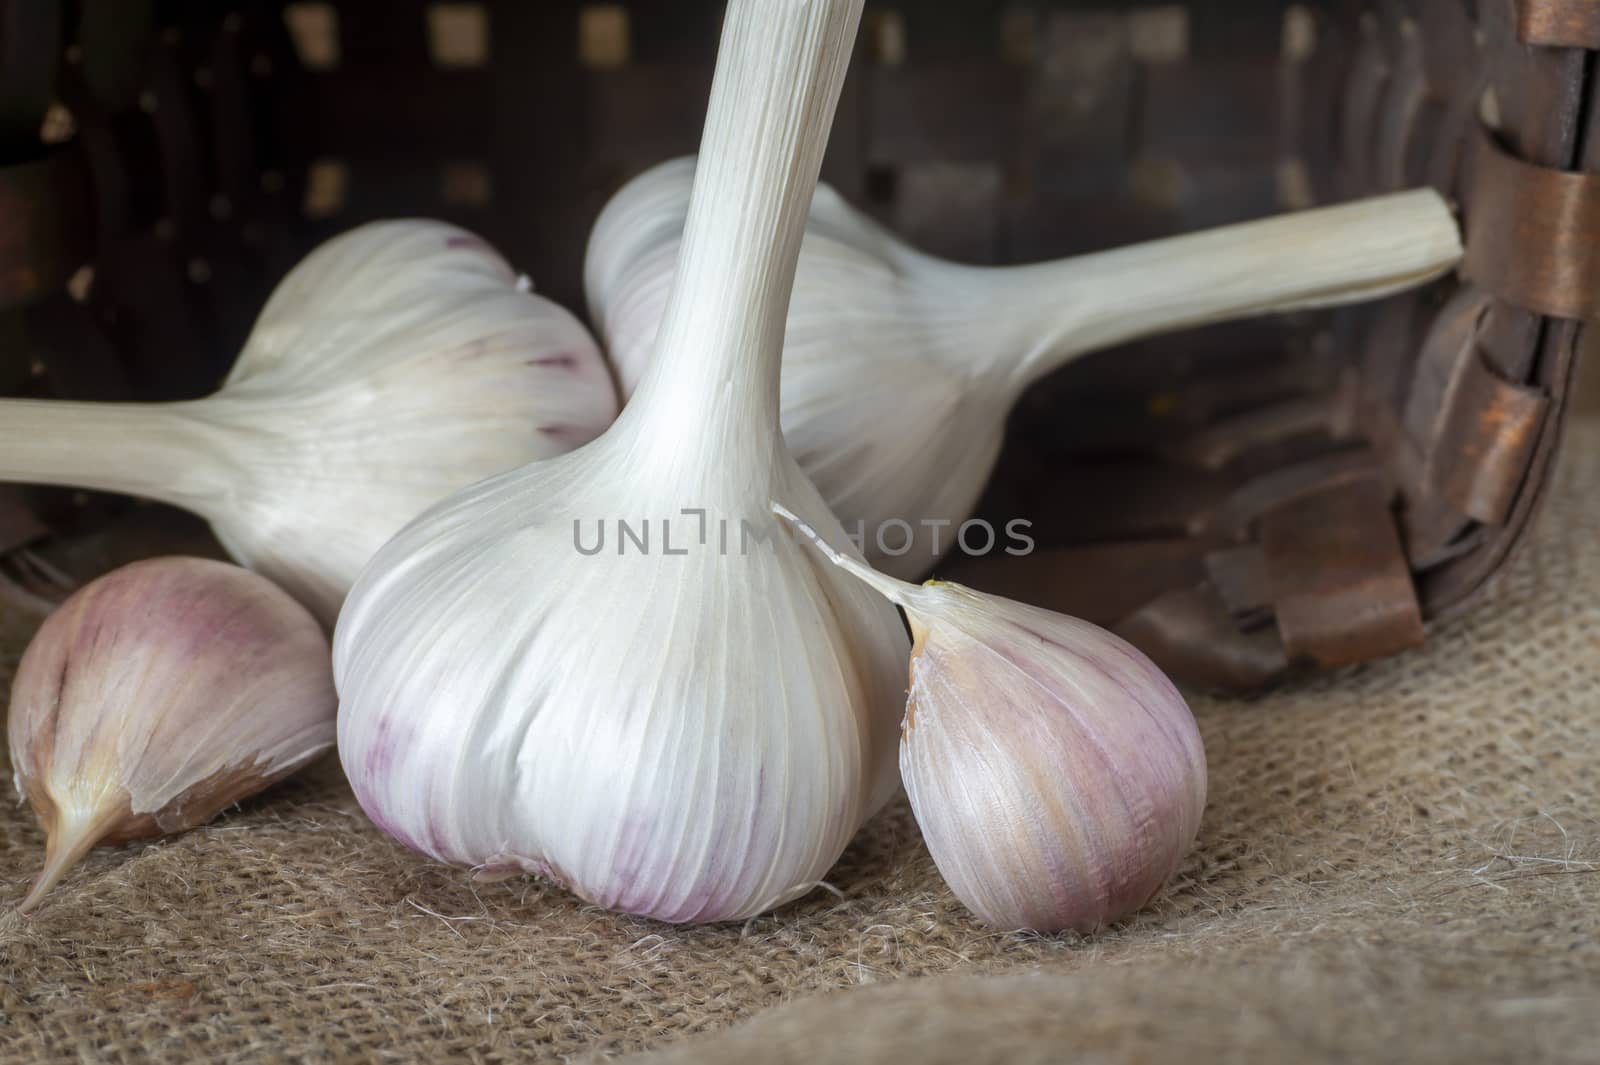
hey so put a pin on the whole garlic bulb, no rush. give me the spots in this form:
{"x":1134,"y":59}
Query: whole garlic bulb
{"x":899,"y":368}
{"x":690,"y":725}
{"x":158,"y":696}
{"x":395,"y":364}
{"x":1057,"y":774}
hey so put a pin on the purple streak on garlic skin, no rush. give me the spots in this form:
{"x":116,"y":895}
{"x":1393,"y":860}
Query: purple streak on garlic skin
{"x":636,"y":887}
{"x":561,"y":362}
{"x":393,"y":749}
{"x":1057,"y":774}
{"x":380,"y":758}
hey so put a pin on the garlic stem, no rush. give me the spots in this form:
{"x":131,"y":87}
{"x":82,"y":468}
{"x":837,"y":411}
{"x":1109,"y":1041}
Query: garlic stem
{"x":156,"y":451}
{"x":713,"y":379}
{"x":1050,"y":313}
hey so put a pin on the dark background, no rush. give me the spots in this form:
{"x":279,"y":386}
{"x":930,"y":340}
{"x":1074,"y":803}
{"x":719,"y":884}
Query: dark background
{"x":187,"y":153}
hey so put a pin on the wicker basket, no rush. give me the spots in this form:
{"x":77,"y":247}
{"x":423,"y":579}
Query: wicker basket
{"x":1265,"y":496}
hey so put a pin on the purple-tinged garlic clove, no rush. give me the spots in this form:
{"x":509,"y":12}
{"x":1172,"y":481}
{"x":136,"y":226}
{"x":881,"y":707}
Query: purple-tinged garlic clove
{"x":158,"y":696}
{"x":1057,"y":774}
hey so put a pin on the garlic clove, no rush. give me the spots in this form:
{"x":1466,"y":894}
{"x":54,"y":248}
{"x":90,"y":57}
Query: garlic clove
{"x":156,"y":697}
{"x":395,"y":364}
{"x":1057,"y":774}
{"x":900,"y":368}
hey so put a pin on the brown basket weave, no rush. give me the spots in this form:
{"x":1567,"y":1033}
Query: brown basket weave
{"x":1240,"y":500}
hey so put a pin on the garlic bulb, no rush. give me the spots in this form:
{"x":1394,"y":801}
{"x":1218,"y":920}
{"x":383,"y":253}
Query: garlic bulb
{"x":609,"y":668}
{"x":1056,"y":773}
{"x":158,"y":696}
{"x":899,"y":368}
{"x":395,"y":364}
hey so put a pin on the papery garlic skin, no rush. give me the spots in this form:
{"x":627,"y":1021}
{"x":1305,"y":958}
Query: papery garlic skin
{"x":159,"y":695}
{"x":575,"y":746}
{"x":395,"y":364}
{"x":900,"y":368}
{"x":1057,"y":774}
{"x":694,"y":731}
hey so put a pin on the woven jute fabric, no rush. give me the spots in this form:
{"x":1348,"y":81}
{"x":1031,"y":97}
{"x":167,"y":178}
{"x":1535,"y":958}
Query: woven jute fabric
{"x":1399,"y":861}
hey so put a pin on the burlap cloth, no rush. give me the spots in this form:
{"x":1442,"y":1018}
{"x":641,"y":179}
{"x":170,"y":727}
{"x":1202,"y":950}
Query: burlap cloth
{"x":1401,"y":861}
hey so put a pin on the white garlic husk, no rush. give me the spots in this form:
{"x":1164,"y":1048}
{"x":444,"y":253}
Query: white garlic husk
{"x":1057,"y":774}
{"x":691,"y":731}
{"x":395,"y":364}
{"x":900,"y":368}
{"x":159,"y":695}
